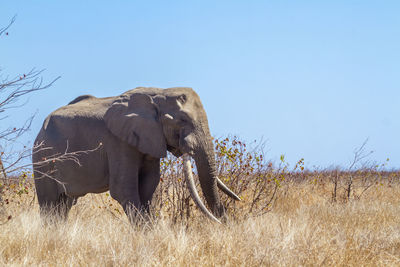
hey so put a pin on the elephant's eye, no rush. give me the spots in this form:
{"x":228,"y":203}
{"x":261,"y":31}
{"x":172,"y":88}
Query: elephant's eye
{"x":182,"y":99}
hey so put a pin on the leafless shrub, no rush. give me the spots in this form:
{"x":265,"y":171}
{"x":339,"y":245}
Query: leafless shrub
{"x":360,"y":176}
{"x":12,"y":92}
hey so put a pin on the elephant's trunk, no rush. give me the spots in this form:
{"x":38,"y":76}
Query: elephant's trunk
{"x":206,"y":167}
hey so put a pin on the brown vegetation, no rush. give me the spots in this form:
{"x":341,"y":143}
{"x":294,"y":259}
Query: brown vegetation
{"x":287,"y":217}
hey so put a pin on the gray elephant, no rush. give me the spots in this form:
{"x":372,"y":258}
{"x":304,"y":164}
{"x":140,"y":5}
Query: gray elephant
{"x":118,"y":143}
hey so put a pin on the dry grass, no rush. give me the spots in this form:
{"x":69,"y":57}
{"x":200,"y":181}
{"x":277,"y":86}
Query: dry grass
{"x":288,"y":217}
{"x":304,"y":227}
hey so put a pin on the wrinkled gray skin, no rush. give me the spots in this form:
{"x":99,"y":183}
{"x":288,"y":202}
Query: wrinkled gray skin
{"x":135,"y":130}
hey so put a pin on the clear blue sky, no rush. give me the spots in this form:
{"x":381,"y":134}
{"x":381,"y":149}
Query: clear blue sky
{"x":312,"y":78}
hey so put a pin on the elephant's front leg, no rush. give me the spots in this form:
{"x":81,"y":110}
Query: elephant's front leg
{"x":126,"y":192}
{"x":149,"y":178}
{"x":124,"y":180}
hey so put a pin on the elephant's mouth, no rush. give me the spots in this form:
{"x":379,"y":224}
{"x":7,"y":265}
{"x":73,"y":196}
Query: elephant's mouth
{"x":175,"y":151}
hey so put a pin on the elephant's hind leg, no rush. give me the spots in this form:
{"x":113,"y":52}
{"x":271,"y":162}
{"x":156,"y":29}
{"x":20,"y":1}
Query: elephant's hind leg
{"x":57,"y":209}
{"x":63,"y":206}
{"x":53,"y":204}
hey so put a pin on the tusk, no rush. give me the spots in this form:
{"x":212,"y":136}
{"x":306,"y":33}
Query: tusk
{"x":169,"y":117}
{"x":192,"y":188}
{"x":226,"y":190}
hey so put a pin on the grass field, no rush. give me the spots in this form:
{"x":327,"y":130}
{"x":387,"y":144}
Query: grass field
{"x":287,"y":218}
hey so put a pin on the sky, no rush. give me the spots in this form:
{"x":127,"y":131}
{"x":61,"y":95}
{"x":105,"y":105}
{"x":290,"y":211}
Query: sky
{"x":312,"y":79}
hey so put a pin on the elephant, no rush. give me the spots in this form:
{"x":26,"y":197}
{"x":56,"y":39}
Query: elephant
{"x":119,"y":142}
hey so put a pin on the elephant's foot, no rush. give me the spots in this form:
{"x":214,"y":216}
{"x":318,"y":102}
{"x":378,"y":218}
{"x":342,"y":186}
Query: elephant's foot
{"x":56,"y":211}
{"x":138,"y":217}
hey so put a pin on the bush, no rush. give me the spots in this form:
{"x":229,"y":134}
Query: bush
{"x":244,"y":170}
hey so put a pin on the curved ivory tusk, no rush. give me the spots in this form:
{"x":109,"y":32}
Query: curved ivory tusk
{"x":192,"y":188}
{"x":169,"y":117}
{"x":226,"y":190}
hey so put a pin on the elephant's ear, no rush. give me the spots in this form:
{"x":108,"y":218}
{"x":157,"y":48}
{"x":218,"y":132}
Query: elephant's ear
{"x":135,"y":121}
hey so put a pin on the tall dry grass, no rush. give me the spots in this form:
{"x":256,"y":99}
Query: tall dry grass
{"x":299,"y":218}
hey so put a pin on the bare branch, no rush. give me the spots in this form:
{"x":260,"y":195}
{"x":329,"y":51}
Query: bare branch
{"x":56,"y":157}
{"x":19,"y":86}
{"x":11,"y":134}
{"x":12,"y":92}
{"x":3,"y":173}
{"x":360,"y":154}
{"x":4,"y":30}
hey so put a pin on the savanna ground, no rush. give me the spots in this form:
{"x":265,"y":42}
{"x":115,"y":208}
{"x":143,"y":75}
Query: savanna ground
{"x":288,"y":216}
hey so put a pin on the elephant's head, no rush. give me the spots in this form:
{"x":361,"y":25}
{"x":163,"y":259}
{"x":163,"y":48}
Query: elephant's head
{"x":156,"y":120}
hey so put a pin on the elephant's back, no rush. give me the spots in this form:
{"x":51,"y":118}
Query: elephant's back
{"x":81,"y":121}
{"x":84,"y":106}
{"x":80,"y":98}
